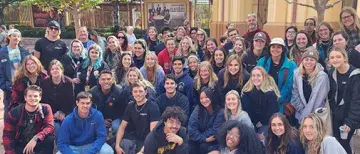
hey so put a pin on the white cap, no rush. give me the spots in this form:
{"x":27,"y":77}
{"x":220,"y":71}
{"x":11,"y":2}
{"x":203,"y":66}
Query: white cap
{"x":277,"y":40}
{"x":14,"y":31}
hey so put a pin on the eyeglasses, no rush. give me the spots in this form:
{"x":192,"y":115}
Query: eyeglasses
{"x":346,"y":17}
{"x":54,"y":28}
{"x":232,"y":134}
{"x":172,"y":122}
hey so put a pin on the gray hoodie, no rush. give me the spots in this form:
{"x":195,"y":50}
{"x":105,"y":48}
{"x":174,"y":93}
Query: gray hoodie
{"x":320,"y":88}
{"x":330,"y":145}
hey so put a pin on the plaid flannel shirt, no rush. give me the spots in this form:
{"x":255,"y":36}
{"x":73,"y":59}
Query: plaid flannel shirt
{"x":354,"y":38}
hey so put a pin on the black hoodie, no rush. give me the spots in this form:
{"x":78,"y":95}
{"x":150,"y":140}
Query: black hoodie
{"x":156,"y":143}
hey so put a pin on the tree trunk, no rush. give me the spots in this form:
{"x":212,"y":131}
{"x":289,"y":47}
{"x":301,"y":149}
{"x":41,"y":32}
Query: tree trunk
{"x":116,"y":16}
{"x":320,"y":15}
{"x":77,"y":16}
{"x":2,"y":20}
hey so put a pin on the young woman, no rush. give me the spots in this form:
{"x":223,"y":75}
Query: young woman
{"x":122,"y":67}
{"x":281,"y":68}
{"x":256,"y":51}
{"x":152,"y":71}
{"x":204,"y":122}
{"x":218,"y":60}
{"x":89,"y":70}
{"x":314,"y":138}
{"x":152,"y":39}
{"x":350,"y":24}
{"x":239,"y":46}
{"x":77,"y":53}
{"x":302,"y":41}
{"x":340,"y":39}
{"x":180,"y":34}
{"x":237,"y":138}
{"x":166,"y":55}
{"x":139,"y":52}
{"x":58,"y":92}
{"x":233,"y":109}
{"x":200,"y":43}
{"x":205,"y":77}
{"x":282,"y":138}
{"x":311,"y":85}
{"x":193,"y":64}
{"x":123,"y":41}
{"x":324,"y":31}
{"x":232,"y":77}
{"x":290,"y":34}
{"x":134,"y":75}
{"x":193,"y":32}
{"x":209,"y":49}
{"x":31,"y":72}
{"x":260,"y":99}
{"x":344,"y":86}
{"x":112,"y":51}
{"x":186,"y":48}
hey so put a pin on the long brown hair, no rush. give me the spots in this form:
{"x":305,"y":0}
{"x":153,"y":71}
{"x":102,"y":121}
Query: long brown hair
{"x":289,"y":135}
{"x":23,"y":72}
{"x":240,"y":76}
{"x":320,"y":133}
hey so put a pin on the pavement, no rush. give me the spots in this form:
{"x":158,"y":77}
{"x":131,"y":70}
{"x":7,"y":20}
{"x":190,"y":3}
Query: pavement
{"x":28,"y":43}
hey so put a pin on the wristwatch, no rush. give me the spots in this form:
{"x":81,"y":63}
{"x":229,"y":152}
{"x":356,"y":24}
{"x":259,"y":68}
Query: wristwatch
{"x":35,"y":138}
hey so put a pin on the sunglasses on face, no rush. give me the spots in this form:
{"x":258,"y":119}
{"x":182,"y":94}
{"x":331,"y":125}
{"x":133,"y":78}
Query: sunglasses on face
{"x":54,"y":28}
{"x":121,"y":37}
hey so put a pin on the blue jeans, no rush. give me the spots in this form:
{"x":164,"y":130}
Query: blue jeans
{"x":115,"y":125}
{"x":105,"y":149}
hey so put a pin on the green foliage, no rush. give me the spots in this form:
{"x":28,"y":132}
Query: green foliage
{"x":65,"y":5}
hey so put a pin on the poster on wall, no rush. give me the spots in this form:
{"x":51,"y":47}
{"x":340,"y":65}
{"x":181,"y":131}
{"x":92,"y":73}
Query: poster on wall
{"x":42,"y":18}
{"x":166,"y":14}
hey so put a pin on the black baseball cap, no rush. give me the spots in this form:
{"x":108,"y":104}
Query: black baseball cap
{"x":54,"y":24}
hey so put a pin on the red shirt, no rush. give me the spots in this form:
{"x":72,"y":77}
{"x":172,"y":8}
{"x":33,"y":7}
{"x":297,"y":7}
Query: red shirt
{"x":165,"y":60}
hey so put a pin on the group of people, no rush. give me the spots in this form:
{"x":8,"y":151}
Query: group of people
{"x":183,"y":92}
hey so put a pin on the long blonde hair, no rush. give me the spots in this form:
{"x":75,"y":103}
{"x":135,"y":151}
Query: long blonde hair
{"x":156,"y":66}
{"x":320,"y":133}
{"x":240,"y":76}
{"x":268,"y":83}
{"x":191,"y":49}
{"x":213,"y":78}
{"x":140,"y":77}
{"x":351,"y":11}
{"x":23,"y":72}
{"x":227,"y":110}
{"x":312,"y":75}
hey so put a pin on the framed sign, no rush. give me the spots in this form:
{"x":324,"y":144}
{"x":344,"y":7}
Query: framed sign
{"x":166,"y":14}
{"x":42,"y":18}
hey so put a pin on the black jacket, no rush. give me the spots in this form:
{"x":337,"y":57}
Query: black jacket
{"x":111,"y":106}
{"x":156,"y":142}
{"x":348,"y":110}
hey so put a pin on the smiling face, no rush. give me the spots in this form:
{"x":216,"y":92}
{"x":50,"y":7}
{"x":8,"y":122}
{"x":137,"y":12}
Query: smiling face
{"x":301,"y":40}
{"x":308,"y":129}
{"x":53,"y":31}
{"x":324,"y":33}
{"x":83,"y":33}
{"x":178,"y":67}
{"x":347,"y":19}
{"x":185,"y":45}
{"x":172,"y":125}
{"x":200,"y":36}
{"x":252,"y":23}
{"x":32,"y":98}
{"x":152,"y":34}
{"x":210,"y":46}
{"x":106,"y":81}
{"x":150,"y":60}
{"x":121,"y":38}
{"x":277,"y":126}
{"x":309,"y":64}
{"x":94,"y":55}
{"x":170,"y":45}
{"x":309,"y":25}
{"x":232,"y":102}
{"x":193,"y":64}
{"x":234,"y":67}
{"x":259,"y":44}
{"x":112,"y":44}
{"x":76,"y":48}
{"x":290,"y":34}
{"x":257,"y":77}
{"x":337,"y":59}
{"x":31,"y":66}
{"x":83,"y":105}
{"x":139,"y":93}
{"x":204,"y":100}
{"x":204,"y":72}
{"x":233,"y":138}
{"x":219,"y":57}
{"x":238,"y":46}
{"x":126,"y":61}
{"x":339,"y":41}
{"x":56,"y":71}
{"x":170,"y":86}
{"x":276,"y":50}
{"x":138,"y":50}
{"x":133,"y":77}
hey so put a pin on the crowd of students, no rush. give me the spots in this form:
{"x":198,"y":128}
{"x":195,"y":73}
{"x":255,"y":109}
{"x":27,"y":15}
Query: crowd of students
{"x":183,"y":92}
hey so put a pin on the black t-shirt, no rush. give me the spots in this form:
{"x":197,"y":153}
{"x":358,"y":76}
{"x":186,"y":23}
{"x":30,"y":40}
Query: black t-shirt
{"x":141,"y":116}
{"x":306,"y":88}
{"x":50,"y":50}
{"x":341,"y":83}
{"x":274,"y":71}
{"x":28,"y":130}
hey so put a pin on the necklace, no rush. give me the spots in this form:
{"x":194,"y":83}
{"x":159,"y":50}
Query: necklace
{"x":32,"y":116}
{"x":137,"y":110}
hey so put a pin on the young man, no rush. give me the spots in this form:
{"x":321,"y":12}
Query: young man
{"x":231,"y":35}
{"x":107,"y":97}
{"x":50,"y":47}
{"x":143,"y":115}
{"x":83,"y":130}
{"x":253,"y":28}
{"x":164,"y":31}
{"x":255,"y":52}
{"x":83,"y":36}
{"x":168,"y":136}
{"x":171,"y":97}
{"x":309,"y":27}
{"x":183,"y":80}
{"x":29,"y":127}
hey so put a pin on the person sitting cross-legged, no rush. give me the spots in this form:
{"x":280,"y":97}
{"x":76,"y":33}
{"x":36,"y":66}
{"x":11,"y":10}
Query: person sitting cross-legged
{"x":83,"y":130}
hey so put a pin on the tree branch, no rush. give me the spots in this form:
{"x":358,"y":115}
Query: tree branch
{"x":302,"y":4}
{"x":332,"y":5}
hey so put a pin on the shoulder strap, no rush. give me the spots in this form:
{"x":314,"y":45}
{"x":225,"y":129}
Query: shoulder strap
{"x":286,"y":71}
